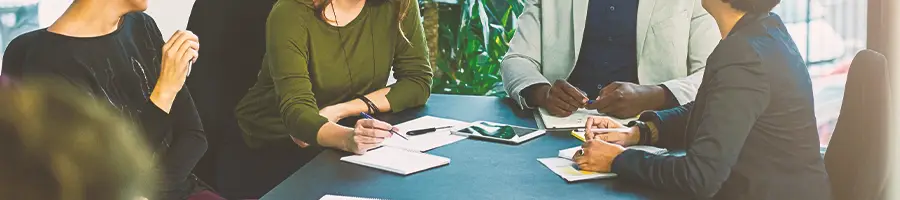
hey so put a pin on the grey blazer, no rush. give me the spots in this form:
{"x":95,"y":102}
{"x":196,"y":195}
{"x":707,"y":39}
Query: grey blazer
{"x":674,"y":38}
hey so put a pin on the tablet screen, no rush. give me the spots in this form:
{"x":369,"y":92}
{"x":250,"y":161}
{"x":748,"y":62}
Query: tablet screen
{"x":500,"y":131}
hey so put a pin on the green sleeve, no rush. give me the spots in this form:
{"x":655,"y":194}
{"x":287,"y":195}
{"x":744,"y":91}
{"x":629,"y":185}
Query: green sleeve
{"x":411,"y":67}
{"x":286,"y":39}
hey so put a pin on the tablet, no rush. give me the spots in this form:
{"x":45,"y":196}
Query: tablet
{"x":498,"y":132}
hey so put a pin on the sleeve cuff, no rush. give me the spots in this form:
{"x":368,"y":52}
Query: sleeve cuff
{"x":671,"y":100}
{"x":308,"y":131}
{"x":625,"y":165}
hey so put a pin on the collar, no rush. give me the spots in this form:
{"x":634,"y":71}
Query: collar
{"x":748,"y":19}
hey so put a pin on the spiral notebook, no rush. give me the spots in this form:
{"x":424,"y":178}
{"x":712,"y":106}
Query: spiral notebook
{"x":397,"y":160}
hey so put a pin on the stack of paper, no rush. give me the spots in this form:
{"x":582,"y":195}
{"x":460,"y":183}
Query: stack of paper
{"x":577,"y":120}
{"x":397,"y":160}
{"x":569,"y":153}
{"x":568,"y":170}
{"x":428,"y":141}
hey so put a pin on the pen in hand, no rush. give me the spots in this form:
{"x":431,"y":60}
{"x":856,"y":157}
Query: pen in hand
{"x":367,"y":116}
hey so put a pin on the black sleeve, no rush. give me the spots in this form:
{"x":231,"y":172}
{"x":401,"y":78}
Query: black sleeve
{"x":737,"y":96}
{"x":188,"y":138}
{"x":14,"y":58}
{"x":671,"y":125}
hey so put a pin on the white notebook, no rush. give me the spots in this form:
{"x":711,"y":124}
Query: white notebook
{"x":569,"y":153}
{"x":428,"y":141}
{"x":568,"y":170}
{"x":397,"y":160}
{"x":576,"y":120}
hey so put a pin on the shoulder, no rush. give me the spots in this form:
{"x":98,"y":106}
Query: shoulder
{"x":37,"y":48}
{"x":291,"y":12}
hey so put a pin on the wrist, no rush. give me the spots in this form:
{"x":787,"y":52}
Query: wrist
{"x":635,"y":136}
{"x":656,"y":97}
{"x":536,"y":95}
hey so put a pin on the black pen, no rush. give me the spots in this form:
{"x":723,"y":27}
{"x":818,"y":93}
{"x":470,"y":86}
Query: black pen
{"x":427,"y":130}
{"x":364,"y":115}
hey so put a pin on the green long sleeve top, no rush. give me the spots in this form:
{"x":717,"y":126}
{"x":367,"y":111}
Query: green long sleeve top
{"x":306,"y":69}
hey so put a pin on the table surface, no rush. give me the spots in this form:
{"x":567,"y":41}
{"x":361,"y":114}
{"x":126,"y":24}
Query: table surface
{"x":478,"y":169}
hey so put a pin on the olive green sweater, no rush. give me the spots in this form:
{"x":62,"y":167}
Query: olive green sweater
{"x":306,"y":69}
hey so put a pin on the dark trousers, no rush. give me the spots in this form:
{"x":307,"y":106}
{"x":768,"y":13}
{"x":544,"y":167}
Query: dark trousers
{"x":249,"y":173}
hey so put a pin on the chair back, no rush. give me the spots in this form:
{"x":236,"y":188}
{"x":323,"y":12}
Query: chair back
{"x":856,"y":158}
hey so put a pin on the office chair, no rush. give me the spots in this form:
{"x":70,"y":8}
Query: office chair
{"x":856,"y":158}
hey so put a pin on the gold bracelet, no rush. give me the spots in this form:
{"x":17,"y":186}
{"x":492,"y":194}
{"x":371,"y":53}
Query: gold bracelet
{"x":654,"y":132}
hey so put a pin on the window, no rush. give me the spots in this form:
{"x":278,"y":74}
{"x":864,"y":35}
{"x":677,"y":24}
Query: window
{"x":828,"y":34}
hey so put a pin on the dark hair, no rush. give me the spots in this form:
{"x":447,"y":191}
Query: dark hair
{"x":753,"y":6}
{"x":401,"y":13}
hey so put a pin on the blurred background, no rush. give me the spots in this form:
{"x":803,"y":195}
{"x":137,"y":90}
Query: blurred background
{"x":467,"y":39}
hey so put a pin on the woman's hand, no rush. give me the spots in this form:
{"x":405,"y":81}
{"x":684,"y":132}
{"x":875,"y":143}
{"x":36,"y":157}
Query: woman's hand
{"x":620,"y":138}
{"x":177,"y":53}
{"x":597,"y":156}
{"x":368,"y":134}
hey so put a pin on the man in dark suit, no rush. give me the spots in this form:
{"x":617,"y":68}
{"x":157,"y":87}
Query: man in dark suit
{"x":750,"y":134}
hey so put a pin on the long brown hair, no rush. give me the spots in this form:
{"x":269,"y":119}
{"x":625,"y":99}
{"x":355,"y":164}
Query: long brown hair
{"x":401,"y":13}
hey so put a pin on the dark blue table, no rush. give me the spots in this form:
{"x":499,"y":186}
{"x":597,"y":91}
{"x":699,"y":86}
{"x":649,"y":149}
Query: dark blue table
{"x":477,"y":170}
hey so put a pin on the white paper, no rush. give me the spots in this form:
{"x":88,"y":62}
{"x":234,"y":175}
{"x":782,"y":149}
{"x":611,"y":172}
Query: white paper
{"x":428,"y":141}
{"x":578,"y":119}
{"x":339,"y":197}
{"x":569,"y":171}
{"x":569,"y":153}
{"x":397,"y":160}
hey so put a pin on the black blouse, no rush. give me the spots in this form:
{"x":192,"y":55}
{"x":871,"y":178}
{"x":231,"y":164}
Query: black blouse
{"x":120,"y":68}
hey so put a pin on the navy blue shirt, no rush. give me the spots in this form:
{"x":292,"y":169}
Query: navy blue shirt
{"x":609,"y":48}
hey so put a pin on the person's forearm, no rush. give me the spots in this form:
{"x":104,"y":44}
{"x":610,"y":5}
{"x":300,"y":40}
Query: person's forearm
{"x":333,"y":135}
{"x":163,"y":99}
{"x":356,"y":106}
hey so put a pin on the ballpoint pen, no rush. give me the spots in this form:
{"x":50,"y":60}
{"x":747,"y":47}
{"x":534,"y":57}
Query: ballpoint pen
{"x":427,"y":130}
{"x":579,"y":133}
{"x":364,"y":115}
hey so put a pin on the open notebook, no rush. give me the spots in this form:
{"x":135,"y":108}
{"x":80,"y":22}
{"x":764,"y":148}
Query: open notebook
{"x":568,"y":170}
{"x":397,"y":160}
{"x":576,"y":120}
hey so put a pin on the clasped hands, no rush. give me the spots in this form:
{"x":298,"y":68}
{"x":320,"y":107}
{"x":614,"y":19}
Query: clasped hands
{"x":618,"y":99}
{"x":598,"y":153}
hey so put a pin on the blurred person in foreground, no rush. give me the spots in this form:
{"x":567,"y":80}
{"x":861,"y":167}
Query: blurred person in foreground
{"x":750,"y":134}
{"x":56,"y":143}
{"x":113,"y":51}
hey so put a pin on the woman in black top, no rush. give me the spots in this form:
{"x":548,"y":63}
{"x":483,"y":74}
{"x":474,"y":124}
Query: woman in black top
{"x":115,"y":53}
{"x":750,"y":133}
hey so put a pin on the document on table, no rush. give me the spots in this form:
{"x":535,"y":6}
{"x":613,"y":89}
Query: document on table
{"x":568,"y":170}
{"x":563,"y":165}
{"x":569,"y":153}
{"x":577,"y":120}
{"x":400,"y":161}
{"x":338,"y":197}
{"x":428,"y":141}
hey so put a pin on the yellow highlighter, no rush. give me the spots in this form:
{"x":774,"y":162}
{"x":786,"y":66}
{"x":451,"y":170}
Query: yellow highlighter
{"x":579,"y":133}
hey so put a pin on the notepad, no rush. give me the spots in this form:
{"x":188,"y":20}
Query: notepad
{"x":568,"y":170}
{"x":397,"y":160}
{"x":428,"y":141}
{"x":569,"y":153}
{"x":577,"y":120}
{"x":339,"y":197}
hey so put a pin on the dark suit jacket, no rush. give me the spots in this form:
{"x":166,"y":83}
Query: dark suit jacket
{"x":750,"y":133}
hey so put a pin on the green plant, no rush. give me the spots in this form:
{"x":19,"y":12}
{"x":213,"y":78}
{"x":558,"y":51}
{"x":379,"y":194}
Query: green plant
{"x":472,"y":45}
